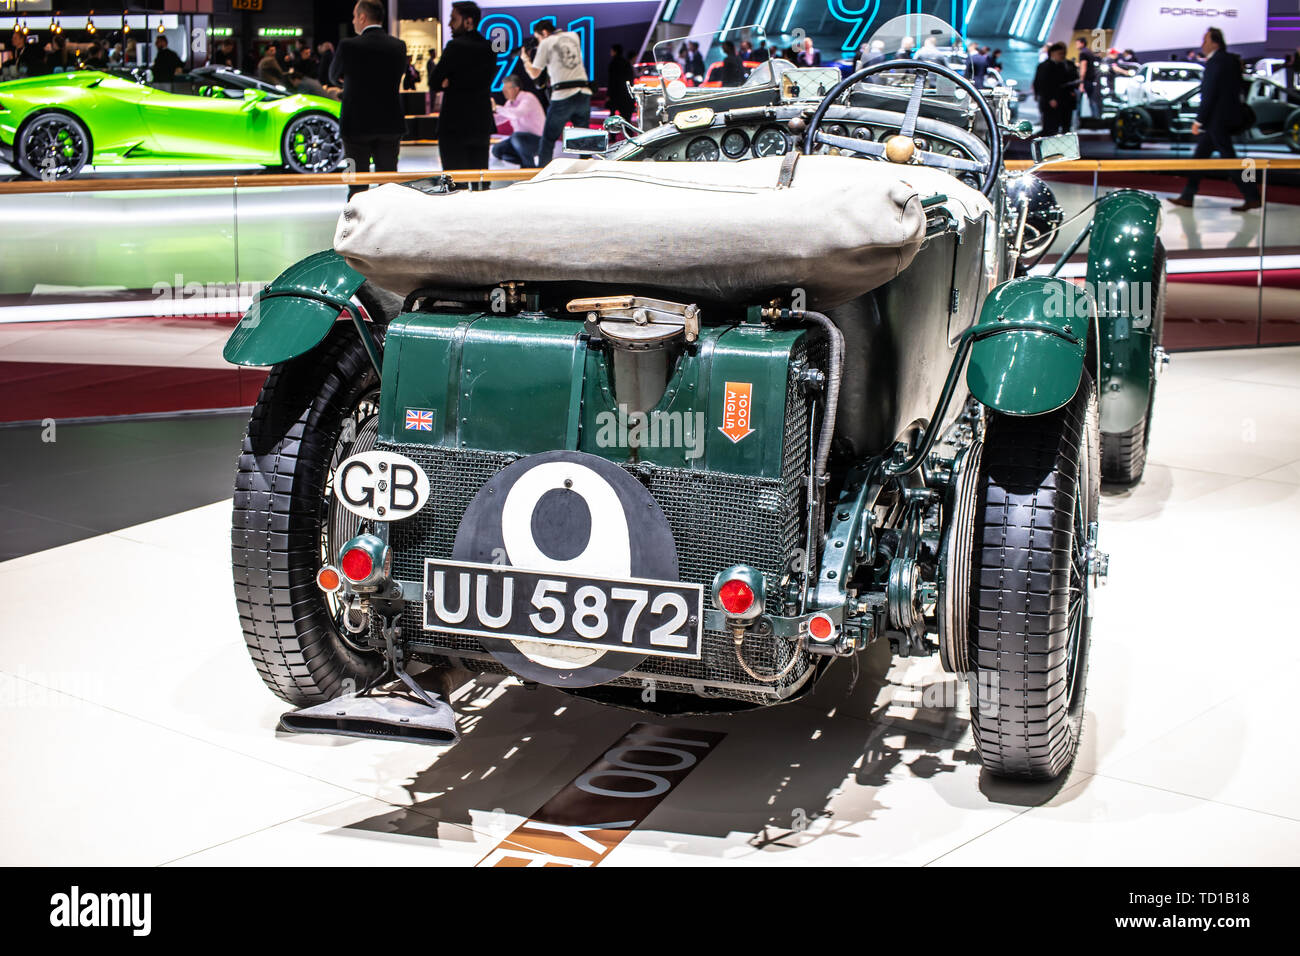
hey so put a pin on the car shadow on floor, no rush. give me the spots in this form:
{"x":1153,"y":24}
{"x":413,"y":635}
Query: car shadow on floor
{"x":780,"y":770}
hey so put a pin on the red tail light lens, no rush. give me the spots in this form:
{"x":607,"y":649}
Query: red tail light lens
{"x":821,"y":627}
{"x":357,"y":565}
{"x":736,"y":597}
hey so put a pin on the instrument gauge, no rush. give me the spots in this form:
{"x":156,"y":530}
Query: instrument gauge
{"x":702,"y":149}
{"x":922,"y":144}
{"x":770,"y":142}
{"x":863,"y":132}
{"x":735,"y":143}
{"x":837,"y":129}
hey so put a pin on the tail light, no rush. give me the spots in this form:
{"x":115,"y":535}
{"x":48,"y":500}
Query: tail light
{"x":821,"y":628}
{"x":365,"y":561}
{"x":736,"y":597}
{"x":738,"y":592}
{"x":328,"y":580}
{"x":357,"y":565}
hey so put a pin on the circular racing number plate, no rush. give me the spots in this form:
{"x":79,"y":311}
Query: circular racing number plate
{"x":592,"y":526}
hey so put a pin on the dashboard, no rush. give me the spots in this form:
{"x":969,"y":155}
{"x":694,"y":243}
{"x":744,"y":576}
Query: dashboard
{"x":735,"y":142}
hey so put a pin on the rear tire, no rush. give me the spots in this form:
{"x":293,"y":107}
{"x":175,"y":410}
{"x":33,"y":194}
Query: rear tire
{"x":1037,"y":497}
{"x":1124,"y":454}
{"x":284,"y":525}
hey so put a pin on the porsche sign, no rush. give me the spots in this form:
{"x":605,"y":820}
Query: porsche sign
{"x":1180,"y":24}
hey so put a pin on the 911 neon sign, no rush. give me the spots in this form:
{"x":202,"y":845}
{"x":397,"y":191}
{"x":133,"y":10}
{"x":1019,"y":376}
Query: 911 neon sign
{"x":506,"y":34}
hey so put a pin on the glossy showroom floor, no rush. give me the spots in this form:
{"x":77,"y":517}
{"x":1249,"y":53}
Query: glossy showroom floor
{"x":136,"y":732}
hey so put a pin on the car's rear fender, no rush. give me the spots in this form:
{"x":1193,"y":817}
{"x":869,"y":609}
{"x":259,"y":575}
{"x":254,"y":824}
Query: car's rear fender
{"x":295,"y":312}
{"x":1121,"y":256}
{"x":1028,"y":348}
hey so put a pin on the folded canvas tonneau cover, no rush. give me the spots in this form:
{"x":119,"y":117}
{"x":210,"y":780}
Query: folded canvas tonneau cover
{"x":720,"y":231}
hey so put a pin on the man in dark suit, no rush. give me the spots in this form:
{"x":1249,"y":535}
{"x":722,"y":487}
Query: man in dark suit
{"x":370,"y":67}
{"x":1054,"y":85}
{"x":464,"y":76}
{"x":1218,"y":118}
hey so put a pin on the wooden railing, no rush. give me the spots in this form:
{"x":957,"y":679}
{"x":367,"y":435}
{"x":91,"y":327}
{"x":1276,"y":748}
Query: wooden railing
{"x":254,"y":180}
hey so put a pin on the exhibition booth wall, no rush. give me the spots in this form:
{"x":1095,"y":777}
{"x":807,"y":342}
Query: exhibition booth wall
{"x":117,"y":297}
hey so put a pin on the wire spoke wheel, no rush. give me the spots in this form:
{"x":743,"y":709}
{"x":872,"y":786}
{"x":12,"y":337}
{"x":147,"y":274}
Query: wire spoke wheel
{"x":313,"y":144}
{"x":358,"y":434}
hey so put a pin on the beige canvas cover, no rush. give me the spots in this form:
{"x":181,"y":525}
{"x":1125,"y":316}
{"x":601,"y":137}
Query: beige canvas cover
{"x":727,"y":231}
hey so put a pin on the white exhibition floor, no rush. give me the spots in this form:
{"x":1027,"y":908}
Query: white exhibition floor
{"x":136,"y":731}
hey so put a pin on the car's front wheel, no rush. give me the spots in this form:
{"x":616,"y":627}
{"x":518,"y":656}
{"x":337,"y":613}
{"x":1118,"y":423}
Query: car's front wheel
{"x":312,"y":143}
{"x":52,"y":146}
{"x":1034,"y":531}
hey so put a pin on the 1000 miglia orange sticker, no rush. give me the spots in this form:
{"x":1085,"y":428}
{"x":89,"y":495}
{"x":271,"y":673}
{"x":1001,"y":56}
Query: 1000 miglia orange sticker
{"x":737,"y":410}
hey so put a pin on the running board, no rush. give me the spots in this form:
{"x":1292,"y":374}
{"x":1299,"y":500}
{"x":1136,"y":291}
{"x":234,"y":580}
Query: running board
{"x":382,"y":717}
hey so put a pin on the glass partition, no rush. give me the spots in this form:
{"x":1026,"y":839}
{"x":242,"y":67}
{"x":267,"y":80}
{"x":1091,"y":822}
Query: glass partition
{"x":1232,"y":275}
{"x":119,"y":300}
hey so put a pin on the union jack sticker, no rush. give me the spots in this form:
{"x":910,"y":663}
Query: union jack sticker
{"x":419,"y":420}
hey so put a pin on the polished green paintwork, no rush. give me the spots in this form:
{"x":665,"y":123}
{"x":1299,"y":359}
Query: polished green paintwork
{"x":295,"y":312}
{"x":469,"y":370}
{"x":134,"y":124}
{"x":466,"y":368}
{"x":751,"y":354}
{"x":1029,"y":371}
{"x":1121,"y":251}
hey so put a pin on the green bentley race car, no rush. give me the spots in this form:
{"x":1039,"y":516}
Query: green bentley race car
{"x":51,"y":127}
{"x":686,"y":472}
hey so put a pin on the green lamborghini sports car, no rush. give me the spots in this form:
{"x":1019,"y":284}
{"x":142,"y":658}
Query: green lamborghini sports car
{"x":53,"y":126}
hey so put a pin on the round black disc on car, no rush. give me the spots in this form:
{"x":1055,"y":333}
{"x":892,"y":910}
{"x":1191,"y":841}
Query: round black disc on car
{"x":584,"y":535}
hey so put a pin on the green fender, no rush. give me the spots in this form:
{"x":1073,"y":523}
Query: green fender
{"x":1121,"y":257}
{"x":1029,"y":345}
{"x":295,"y":312}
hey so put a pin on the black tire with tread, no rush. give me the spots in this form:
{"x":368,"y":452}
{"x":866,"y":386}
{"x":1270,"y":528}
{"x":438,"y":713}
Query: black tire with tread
{"x":277,"y":521}
{"x":1124,"y":454}
{"x":1026,"y":720}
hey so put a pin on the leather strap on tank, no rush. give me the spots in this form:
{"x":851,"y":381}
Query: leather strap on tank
{"x":786,"y":177}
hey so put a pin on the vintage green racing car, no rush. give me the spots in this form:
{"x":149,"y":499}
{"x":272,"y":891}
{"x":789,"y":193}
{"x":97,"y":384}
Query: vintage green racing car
{"x":767,"y":388}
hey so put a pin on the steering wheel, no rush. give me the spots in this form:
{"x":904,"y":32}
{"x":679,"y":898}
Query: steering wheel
{"x":900,"y":147}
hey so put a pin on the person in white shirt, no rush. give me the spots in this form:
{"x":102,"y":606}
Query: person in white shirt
{"x":559,"y":53}
{"x":523,"y":111}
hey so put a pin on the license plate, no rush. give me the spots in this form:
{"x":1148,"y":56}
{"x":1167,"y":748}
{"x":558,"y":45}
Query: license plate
{"x":635,"y":615}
